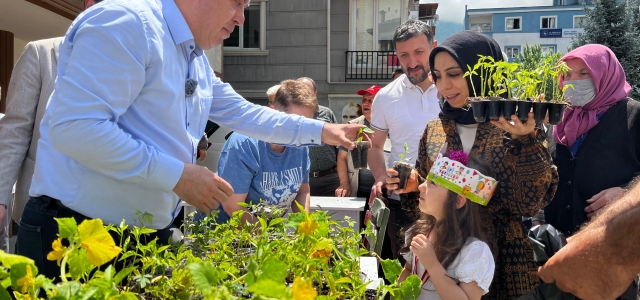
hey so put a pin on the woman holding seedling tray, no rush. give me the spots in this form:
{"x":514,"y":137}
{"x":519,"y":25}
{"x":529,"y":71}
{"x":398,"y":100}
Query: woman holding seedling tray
{"x":512,"y":151}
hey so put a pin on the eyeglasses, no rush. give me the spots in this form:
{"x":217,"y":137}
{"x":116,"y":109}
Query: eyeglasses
{"x":241,"y":4}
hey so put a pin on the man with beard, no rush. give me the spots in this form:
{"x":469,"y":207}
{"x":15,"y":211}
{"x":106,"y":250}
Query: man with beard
{"x":402,"y":110}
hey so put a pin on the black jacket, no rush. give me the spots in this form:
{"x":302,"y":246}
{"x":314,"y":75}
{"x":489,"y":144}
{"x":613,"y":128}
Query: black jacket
{"x":608,"y":157}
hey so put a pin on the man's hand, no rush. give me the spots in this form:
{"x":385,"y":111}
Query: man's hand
{"x":515,"y":126}
{"x":579,"y":268}
{"x":342,"y":134}
{"x":202,"y":154}
{"x":601,"y":199}
{"x":202,"y":188}
{"x":344,"y":190}
{"x":393,"y":180}
{"x":376,"y":190}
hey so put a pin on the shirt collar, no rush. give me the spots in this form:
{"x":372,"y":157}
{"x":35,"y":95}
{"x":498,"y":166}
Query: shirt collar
{"x":178,"y":26}
{"x":409,"y":85}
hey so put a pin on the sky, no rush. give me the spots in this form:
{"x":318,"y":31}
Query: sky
{"x":453,"y":10}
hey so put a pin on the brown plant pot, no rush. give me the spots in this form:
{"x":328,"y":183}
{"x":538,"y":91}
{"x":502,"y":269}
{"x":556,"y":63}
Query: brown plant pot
{"x":404,"y":170}
{"x":359,"y":155}
{"x":556,"y":110}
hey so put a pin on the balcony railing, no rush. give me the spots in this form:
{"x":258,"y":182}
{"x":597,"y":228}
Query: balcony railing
{"x":370,"y":65}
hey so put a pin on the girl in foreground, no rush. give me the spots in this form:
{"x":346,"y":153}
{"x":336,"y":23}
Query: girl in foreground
{"x":447,"y":248}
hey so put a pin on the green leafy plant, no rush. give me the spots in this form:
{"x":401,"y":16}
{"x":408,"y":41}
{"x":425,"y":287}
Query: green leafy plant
{"x":485,"y":66}
{"x":304,"y":256}
{"x":410,"y":288}
{"x":361,"y":131}
{"x":403,"y":156}
{"x":557,"y":94}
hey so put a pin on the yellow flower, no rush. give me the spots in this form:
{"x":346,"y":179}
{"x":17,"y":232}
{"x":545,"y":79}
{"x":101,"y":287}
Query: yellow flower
{"x":321,"y":253}
{"x":322,"y":249}
{"x":308,"y":227}
{"x":58,"y":251}
{"x":303,"y":290}
{"x":96,"y":240}
{"x":27,"y":280}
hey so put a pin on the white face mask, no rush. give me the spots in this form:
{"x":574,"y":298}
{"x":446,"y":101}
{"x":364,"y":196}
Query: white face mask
{"x":581,"y":94}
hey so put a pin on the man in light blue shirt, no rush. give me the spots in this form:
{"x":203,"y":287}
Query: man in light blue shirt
{"x":132,"y":98}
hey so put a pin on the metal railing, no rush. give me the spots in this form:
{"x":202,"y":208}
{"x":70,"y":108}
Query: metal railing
{"x":370,"y":65}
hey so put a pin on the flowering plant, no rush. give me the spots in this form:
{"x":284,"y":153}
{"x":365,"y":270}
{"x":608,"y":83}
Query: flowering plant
{"x":306,"y":256}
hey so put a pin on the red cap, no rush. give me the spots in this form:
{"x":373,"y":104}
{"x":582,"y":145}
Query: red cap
{"x":373,"y":90}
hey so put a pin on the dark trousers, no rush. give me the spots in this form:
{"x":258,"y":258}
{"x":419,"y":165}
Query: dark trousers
{"x":38,"y":230}
{"x":324,"y":185}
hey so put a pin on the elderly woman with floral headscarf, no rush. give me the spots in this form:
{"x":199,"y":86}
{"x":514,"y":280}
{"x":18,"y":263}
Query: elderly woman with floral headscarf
{"x":513,"y":153}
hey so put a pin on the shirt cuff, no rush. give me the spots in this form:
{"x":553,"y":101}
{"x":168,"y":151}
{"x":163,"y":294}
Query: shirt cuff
{"x":378,"y":128}
{"x":166,"y":174}
{"x":310,"y":133}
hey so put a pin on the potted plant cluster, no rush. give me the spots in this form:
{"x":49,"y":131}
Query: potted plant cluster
{"x":359,"y":154}
{"x":403,"y":167}
{"x":305,"y":256}
{"x":507,"y":89}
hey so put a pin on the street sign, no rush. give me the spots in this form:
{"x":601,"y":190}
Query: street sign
{"x":550,"y":33}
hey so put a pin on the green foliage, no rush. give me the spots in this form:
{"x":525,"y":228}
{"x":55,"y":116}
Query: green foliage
{"x":496,"y":77}
{"x":363,"y":130}
{"x":306,"y":255}
{"x":410,"y":288}
{"x":539,"y":73}
{"x":616,"y":24}
{"x":403,"y":157}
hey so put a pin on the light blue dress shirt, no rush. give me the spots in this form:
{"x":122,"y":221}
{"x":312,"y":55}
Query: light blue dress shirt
{"x":119,"y":126}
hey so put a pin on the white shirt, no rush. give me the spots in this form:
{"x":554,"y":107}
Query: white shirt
{"x":467,"y":135}
{"x":474,"y":264}
{"x":403,"y":110}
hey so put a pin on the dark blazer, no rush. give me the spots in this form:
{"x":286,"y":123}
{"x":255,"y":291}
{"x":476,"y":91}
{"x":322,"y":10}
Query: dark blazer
{"x":608,"y":157}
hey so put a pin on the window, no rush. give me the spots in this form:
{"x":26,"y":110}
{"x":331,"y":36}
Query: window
{"x":512,"y":51}
{"x":513,"y":23}
{"x":548,"y":49}
{"x":373,"y":23}
{"x":252,"y":34}
{"x":548,"y":22}
{"x":579,"y":21}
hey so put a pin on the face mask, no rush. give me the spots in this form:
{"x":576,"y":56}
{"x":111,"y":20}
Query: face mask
{"x":581,"y":94}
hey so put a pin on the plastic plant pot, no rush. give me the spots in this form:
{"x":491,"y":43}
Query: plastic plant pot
{"x":479,"y":108}
{"x":540,"y":111}
{"x":359,"y":155}
{"x":495,"y":107}
{"x":524,"y":107}
{"x":404,"y":170}
{"x":509,"y":108}
{"x":556,"y":110}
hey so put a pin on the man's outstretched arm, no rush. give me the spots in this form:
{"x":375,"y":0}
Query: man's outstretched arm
{"x":600,"y":261}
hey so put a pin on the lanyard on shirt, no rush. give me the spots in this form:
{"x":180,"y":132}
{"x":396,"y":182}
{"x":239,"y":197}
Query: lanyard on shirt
{"x":425,"y":276}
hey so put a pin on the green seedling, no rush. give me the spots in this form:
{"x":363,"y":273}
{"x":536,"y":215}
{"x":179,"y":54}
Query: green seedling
{"x":406,"y":152}
{"x":361,"y":131}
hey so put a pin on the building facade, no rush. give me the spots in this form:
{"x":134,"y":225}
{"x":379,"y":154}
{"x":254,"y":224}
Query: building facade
{"x":343,"y":45}
{"x":553,"y":27}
